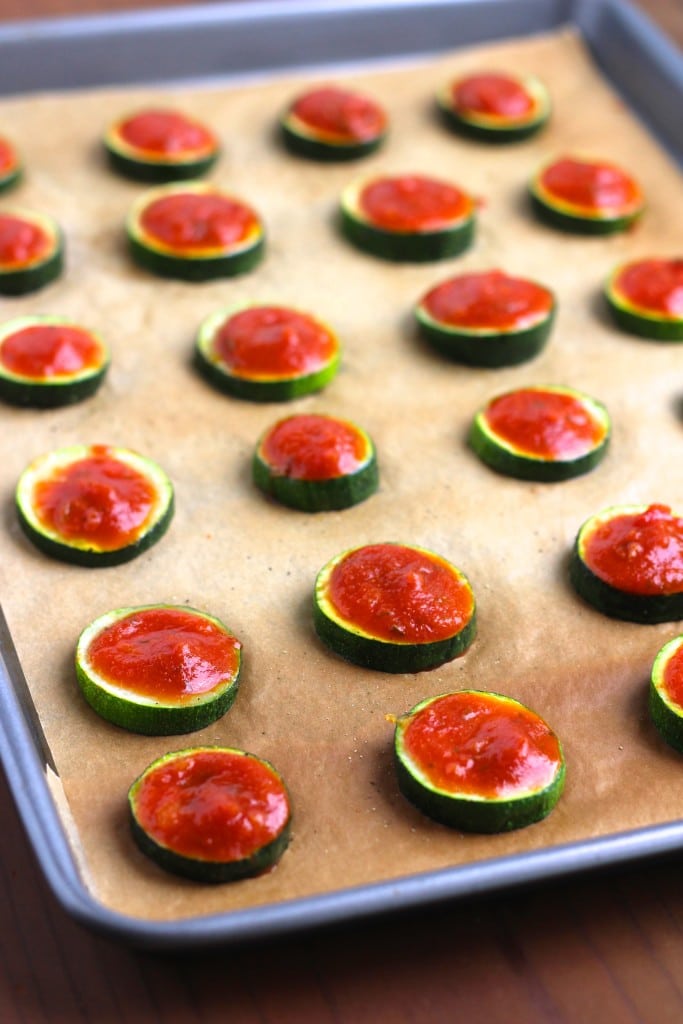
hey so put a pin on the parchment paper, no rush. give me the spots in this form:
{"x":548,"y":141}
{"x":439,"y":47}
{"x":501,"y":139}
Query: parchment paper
{"x":252,"y":563}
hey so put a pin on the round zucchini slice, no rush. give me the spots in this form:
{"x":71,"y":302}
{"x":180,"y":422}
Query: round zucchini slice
{"x":666,"y":693}
{"x":331,"y":123}
{"x":212,"y":814}
{"x":158,"y":669}
{"x":316,"y":463}
{"x":627,"y":562}
{"x":158,"y":144}
{"x":645,"y":297}
{"x":31,"y":251}
{"x":194,"y":232}
{"x":586,"y":196}
{"x":408,"y":218}
{"x":495,"y":106}
{"x":94,"y":505}
{"x":478,"y":761}
{"x":394,"y":608}
{"x":541,"y":433}
{"x":10,"y":165}
{"x":48,"y":361}
{"x":487,"y":318}
{"x":266,"y":353}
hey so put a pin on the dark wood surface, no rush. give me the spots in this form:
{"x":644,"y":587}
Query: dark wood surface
{"x":605,"y":948}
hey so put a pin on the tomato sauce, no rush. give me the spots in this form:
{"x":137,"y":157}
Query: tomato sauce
{"x":413,"y":202}
{"x":97,"y":500}
{"x":654,"y":285}
{"x":489,"y":301}
{"x":273,"y":342}
{"x":165,"y":653}
{"x":638,"y":552}
{"x":478,"y":745}
{"x":8,"y":157}
{"x":49,"y":351}
{"x":214,"y":805}
{"x":672,"y":681}
{"x":494,"y":95}
{"x":340,"y":115}
{"x":310,"y":447}
{"x":546,"y":424}
{"x":591,"y":185}
{"x":400,"y":594}
{"x":22,"y":242}
{"x":166,"y":133}
{"x":198,"y":222}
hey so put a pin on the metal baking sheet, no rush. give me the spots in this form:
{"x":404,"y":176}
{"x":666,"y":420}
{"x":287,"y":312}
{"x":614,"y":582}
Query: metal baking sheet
{"x":240,"y":41}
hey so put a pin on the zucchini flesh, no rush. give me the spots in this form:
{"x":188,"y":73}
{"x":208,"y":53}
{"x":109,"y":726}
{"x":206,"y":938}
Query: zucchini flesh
{"x":65,"y":502}
{"x":158,"y":669}
{"x":375,"y":606}
{"x":666,"y":693}
{"x":655,"y":310}
{"x":19,"y":273}
{"x":330,"y":123}
{"x":243,"y":824}
{"x":495,"y":107}
{"x":160,"y":145}
{"x":478,"y":761}
{"x":586,"y":196}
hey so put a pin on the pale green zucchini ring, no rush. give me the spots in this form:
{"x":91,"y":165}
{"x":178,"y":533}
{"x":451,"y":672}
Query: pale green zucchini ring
{"x":645,"y":297}
{"x":31,"y":251}
{"x":586,"y":196}
{"x":666,"y":693}
{"x":496,"y":107}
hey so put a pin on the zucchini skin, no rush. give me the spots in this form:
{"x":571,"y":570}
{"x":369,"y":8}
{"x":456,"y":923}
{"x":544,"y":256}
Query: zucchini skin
{"x":474,"y":126}
{"x":577,"y":224}
{"x":666,"y":716}
{"x":325,"y":152}
{"x":157,"y":172}
{"x":647,"y":609}
{"x":270,"y":390}
{"x":329,"y":495}
{"x":50,"y":396}
{"x":408,"y":246}
{"x":11,"y":179}
{"x":196,"y":269}
{"x":490,"y":349}
{"x":31,"y":279}
{"x":644,"y":326}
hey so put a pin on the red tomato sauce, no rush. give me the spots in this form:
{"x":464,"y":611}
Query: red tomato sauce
{"x":400,"y":594}
{"x":97,"y":500}
{"x":166,"y":133}
{"x":672,"y":681}
{"x":273,"y":341}
{"x":477,"y":745}
{"x":310,"y":447}
{"x":655,"y":285}
{"x":591,"y":185}
{"x":489,"y":301}
{"x":198,"y":222}
{"x":214,"y":805}
{"x":48,"y":351}
{"x":413,"y":203}
{"x":546,"y":424}
{"x":493,"y":94}
{"x":640,"y":553}
{"x":8,"y":157}
{"x":340,"y":115}
{"x":165,"y":653}
{"x":22,"y":242}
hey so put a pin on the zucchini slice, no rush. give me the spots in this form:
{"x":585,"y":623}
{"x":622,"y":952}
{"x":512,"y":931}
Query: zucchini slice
{"x":330,"y":123}
{"x":48,"y":361}
{"x":158,"y":669}
{"x":666,"y":693}
{"x":159,"y":144}
{"x":213,"y":814}
{"x":394,"y":608}
{"x":495,"y":106}
{"x":645,"y":297}
{"x":408,"y":218}
{"x":586,"y":196}
{"x":31,"y":251}
{"x":266,"y":353}
{"x":478,"y":761}
{"x":541,"y":433}
{"x":194,"y":232}
{"x":316,"y":463}
{"x":94,"y":505}
{"x":487,"y":318}
{"x":627,"y":562}
{"x":11,"y":169}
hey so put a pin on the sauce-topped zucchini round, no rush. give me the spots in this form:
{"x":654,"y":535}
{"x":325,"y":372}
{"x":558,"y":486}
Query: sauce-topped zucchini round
{"x":10,"y":165}
{"x":160,"y":144}
{"x":213,"y":814}
{"x":31,"y":251}
{"x":645,"y":297}
{"x":316,"y":463}
{"x":94,"y":505}
{"x":666,"y":693}
{"x":487,"y":318}
{"x":194,"y":232}
{"x":478,"y":761}
{"x":495,"y":106}
{"x":266,"y":353}
{"x":329,"y":122}
{"x":49,"y":361}
{"x":541,"y":433}
{"x":586,"y":195}
{"x":158,"y":669}
{"x":628,"y":562}
{"x":394,"y":607}
{"x":408,"y":218}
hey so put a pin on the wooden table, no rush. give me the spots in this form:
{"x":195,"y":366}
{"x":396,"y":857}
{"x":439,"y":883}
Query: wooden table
{"x":605,"y":948}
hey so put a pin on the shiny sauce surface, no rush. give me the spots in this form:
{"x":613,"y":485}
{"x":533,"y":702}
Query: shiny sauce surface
{"x":545,"y":424}
{"x":673,"y":677}
{"x":591,"y":185}
{"x":198,"y":222}
{"x":167,"y":133}
{"x":654,"y":285}
{"x":494,"y":94}
{"x":311,"y":447}
{"x":50,"y":351}
{"x":273,"y":341}
{"x":489,"y":300}
{"x":639,"y":552}
{"x":340,"y":114}
{"x":413,"y":202}
{"x":22,"y":242}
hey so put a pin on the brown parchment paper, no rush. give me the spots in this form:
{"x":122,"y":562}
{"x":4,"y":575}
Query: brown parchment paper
{"x":230,"y":551}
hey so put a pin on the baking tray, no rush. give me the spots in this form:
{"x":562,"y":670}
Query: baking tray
{"x":239,"y":42}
